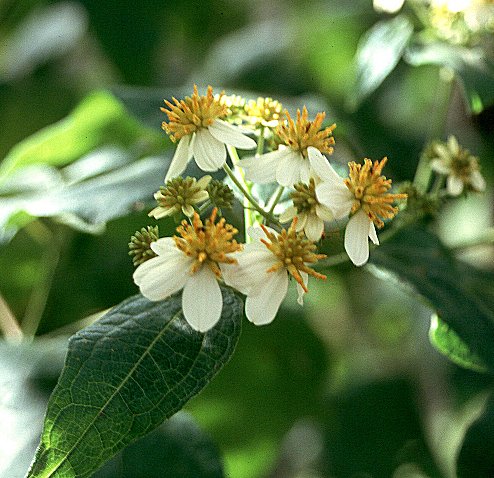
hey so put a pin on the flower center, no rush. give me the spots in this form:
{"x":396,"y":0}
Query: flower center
{"x":304,"y":197}
{"x":303,"y":133}
{"x":207,"y":243}
{"x":464,"y":164}
{"x":264,"y":111}
{"x":178,"y":192}
{"x":192,"y":113}
{"x":293,"y":251}
{"x":370,"y":191}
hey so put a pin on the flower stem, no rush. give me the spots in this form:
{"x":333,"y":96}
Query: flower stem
{"x":275,"y":198}
{"x":436,"y":129}
{"x":260,"y":143}
{"x":201,"y":209}
{"x":8,"y":324}
{"x":37,"y":301}
{"x":269,"y":217}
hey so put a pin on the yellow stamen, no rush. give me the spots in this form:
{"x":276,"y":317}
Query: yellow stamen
{"x":293,"y":251}
{"x":207,"y":243}
{"x":303,"y":133}
{"x":192,"y":113}
{"x":370,"y":191}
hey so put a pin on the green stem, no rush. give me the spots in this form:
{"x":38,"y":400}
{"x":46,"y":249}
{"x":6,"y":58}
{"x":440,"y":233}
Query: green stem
{"x":8,"y":324}
{"x":39,"y":296}
{"x":443,"y":93}
{"x":260,"y":143}
{"x":275,"y":198}
{"x":201,"y":209}
{"x":269,"y":217}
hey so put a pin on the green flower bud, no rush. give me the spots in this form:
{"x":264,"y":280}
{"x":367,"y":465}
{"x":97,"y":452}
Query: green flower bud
{"x":140,"y":244}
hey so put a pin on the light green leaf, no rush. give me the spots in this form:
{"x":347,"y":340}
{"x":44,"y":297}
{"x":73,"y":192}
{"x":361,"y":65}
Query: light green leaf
{"x":177,"y":449}
{"x":89,"y":204}
{"x":450,"y":344}
{"x":378,"y":52}
{"x":124,"y":375}
{"x":474,"y":69}
{"x":98,"y":120}
{"x":455,"y":290}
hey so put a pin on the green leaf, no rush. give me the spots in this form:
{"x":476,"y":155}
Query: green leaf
{"x":474,"y":69}
{"x":476,"y":457}
{"x":29,"y":372}
{"x":89,"y":204}
{"x":378,"y":52}
{"x":417,"y":257}
{"x":177,"y":449}
{"x":448,"y":343}
{"x":99,"y":119}
{"x":124,"y":375}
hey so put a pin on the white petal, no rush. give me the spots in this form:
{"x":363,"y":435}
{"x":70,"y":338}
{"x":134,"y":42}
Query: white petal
{"x":288,"y":171}
{"x":477,"y":181}
{"x":162,"y":276}
{"x":165,"y":245}
{"x":249,"y":274}
{"x":202,"y":301}
{"x":188,"y":210}
{"x":442,"y":151}
{"x":288,"y":214}
{"x":160,"y":212}
{"x":200,"y":196}
{"x":440,"y":167}
{"x":373,"y":234}
{"x":228,"y":134}
{"x":454,"y":185}
{"x":261,"y":308}
{"x":301,"y":222}
{"x":337,"y":197}
{"x":262,"y":169}
{"x":314,"y":227}
{"x":300,"y":290}
{"x":305,"y":173}
{"x":321,"y":166}
{"x":257,"y":233}
{"x":324,"y":212}
{"x":210,"y":154}
{"x":453,"y":145}
{"x":204,"y":181}
{"x":356,"y":238}
{"x":180,"y":159}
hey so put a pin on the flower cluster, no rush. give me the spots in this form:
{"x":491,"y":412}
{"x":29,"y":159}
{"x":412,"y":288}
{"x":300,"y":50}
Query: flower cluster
{"x":205,"y":253}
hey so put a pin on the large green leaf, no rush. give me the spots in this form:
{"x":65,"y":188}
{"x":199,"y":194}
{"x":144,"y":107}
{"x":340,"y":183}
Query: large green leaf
{"x":177,"y":449}
{"x":379,"y":51}
{"x":98,"y":120}
{"x":124,"y":375}
{"x":417,"y":257}
{"x":474,"y":68}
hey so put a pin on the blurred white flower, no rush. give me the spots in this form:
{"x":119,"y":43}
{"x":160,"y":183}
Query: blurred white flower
{"x":388,"y":6}
{"x":196,"y":124}
{"x":462,"y":170}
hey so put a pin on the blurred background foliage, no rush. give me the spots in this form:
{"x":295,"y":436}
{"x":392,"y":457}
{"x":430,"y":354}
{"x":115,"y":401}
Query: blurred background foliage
{"x":348,"y":386}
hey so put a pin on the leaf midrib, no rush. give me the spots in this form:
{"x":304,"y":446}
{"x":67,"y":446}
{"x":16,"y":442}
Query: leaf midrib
{"x":117,"y":390}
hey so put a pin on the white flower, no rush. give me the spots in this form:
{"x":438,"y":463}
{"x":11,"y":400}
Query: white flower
{"x":289,"y":164}
{"x":364,"y":197}
{"x":196,"y":124}
{"x":310,"y":212}
{"x":263,"y":269}
{"x":461,"y":168}
{"x":191,"y":262}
